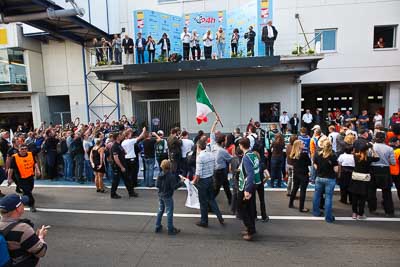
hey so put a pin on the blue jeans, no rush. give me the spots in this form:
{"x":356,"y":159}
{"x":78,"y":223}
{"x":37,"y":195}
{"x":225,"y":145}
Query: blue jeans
{"x":149,"y":171}
{"x":88,"y":171}
{"x":221,"y":50}
{"x":169,"y":204}
{"x":329,"y":186}
{"x":276,"y":171}
{"x":207,"y":197}
{"x":68,"y":165}
{"x":110,"y":173}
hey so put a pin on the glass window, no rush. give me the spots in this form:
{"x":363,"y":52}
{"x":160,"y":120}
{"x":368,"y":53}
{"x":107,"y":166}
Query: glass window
{"x":385,"y":36}
{"x":12,"y":70}
{"x":326,"y":40}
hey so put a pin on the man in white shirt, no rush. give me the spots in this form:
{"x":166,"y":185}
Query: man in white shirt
{"x":187,"y":146}
{"x":140,"y":47}
{"x":307,"y":120}
{"x":269,"y":34}
{"x":185,"y":38}
{"x":132,"y":161}
{"x":283,"y":122}
{"x":378,"y":119}
{"x":208,"y":42}
{"x":333,"y":137}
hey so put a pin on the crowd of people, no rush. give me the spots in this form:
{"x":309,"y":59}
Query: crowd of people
{"x":111,"y":51}
{"x":347,"y":153}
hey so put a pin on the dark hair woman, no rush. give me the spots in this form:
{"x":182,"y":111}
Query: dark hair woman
{"x":277,"y":148}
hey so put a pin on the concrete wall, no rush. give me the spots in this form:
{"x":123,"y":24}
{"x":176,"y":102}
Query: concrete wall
{"x":36,"y":84}
{"x":235,"y":99}
{"x":64,"y":75}
{"x":355,"y":59}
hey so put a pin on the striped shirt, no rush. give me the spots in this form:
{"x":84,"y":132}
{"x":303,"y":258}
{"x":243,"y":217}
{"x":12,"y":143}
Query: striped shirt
{"x":205,"y":164}
{"x":24,"y":245}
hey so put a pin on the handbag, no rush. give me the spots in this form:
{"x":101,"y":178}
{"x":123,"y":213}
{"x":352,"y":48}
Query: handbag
{"x":362,"y":177}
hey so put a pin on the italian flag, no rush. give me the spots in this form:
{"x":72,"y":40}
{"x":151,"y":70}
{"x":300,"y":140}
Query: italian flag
{"x":203,"y":104}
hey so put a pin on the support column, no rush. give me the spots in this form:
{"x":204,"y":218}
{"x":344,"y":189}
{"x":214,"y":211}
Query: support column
{"x":40,"y":109}
{"x":392,"y":100}
{"x":356,"y":100}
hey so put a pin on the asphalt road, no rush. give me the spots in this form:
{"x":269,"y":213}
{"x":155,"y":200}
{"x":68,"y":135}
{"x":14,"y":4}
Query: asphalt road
{"x":84,"y":233}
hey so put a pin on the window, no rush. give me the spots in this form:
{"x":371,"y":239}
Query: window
{"x":269,"y":112}
{"x":385,"y":36}
{"x":12,"y":70}
{"x":325,"y":40}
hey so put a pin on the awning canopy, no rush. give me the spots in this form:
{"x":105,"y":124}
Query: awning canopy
{"x":72,"y":28}
{"x":230,"y":67}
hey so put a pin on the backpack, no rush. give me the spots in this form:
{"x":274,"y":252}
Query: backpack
{"x":62,"y":148}
{"x":160,"y":147}
{"x":5,"y":259}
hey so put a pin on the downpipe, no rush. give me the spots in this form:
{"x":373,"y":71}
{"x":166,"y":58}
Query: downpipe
{"x":49,"y":14}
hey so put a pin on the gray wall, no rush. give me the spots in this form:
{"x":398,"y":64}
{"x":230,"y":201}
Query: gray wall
{"x":235,"y":99}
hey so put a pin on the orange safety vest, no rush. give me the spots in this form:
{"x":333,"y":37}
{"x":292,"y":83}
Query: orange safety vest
{"x":395,"y":169}
{"x":26,"y":165}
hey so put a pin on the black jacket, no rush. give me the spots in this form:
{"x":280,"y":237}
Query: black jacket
{"x":264,"y":36}
{"x":292,"y":122}
{"x":162,"y":44}
{"x":126,"y":44}
{"x":250,"y":36}
{"x":167,"y":184}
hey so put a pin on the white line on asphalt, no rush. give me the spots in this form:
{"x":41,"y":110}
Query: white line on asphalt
{"x":186,"y":215}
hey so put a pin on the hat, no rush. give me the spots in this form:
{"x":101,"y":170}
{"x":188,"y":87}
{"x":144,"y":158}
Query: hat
{"x":160,"y":132}
{"x":284,"y":112}
{"x":316,"y":127}
{"x":12,"y":202}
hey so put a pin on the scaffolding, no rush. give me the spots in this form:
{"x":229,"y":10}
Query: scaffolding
{"x":100,"y":90}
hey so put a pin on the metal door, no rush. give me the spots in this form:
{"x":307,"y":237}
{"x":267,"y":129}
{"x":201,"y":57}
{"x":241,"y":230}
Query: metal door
{"x":159,"y":114}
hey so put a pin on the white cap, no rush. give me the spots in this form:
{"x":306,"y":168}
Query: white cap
{"x":316,"y":127}
{"x":160,"y":132}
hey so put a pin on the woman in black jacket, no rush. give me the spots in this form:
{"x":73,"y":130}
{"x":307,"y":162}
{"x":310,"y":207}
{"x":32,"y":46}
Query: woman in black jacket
{"x":165,"y":45}
{"x":301,"y":162}
{"x":360,"y":181}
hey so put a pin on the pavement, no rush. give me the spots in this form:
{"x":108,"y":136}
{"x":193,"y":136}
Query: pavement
{"x":90,"y":229}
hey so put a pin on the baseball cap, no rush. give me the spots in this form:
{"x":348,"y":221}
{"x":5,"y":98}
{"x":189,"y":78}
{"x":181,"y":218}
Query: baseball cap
{"x":316,"y":127}
{"x":160,"y":132}
{"x":12,"y":201}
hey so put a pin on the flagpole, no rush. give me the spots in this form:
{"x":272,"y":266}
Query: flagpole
{"x":218,"y":117}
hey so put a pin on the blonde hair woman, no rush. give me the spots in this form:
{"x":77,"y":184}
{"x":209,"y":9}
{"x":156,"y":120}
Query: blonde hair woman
{"x":301,"y":162}
{"x":326,"y":165}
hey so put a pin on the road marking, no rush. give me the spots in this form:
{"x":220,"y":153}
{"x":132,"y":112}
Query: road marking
{"x":186,"y":215}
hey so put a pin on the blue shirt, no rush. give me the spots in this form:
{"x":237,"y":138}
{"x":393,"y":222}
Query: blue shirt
{"x":205,"y":164}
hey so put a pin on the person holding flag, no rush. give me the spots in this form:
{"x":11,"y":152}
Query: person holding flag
{"x":204,"y":105}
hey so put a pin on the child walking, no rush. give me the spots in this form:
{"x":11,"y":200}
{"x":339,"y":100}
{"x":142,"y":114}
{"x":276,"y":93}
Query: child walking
{"x":167,"y":183}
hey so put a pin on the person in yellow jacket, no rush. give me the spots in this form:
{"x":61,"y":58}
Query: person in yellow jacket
{"x":395,"y":169}
{"x":24,"y":166}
